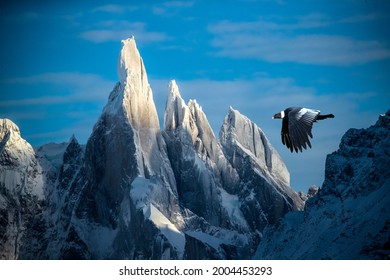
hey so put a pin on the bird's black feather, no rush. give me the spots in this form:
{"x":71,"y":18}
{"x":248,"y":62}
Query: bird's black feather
{"x":297,"y":125}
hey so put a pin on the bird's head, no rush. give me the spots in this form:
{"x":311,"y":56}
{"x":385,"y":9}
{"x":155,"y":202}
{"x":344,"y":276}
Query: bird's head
{"x":279,"y":115}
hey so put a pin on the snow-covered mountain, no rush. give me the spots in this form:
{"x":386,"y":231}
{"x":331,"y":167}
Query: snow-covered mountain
{"x":136,"y":191}
{"x":349,"y":218}
{"x":22,"y":194}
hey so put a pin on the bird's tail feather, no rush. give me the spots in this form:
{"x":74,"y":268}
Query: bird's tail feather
{"x":323,"y":117}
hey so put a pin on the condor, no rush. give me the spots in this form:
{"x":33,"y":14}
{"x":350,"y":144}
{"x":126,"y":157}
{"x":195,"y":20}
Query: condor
{"x":297,"y":123}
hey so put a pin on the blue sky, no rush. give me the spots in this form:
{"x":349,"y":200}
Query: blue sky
{"x":58,"y":64}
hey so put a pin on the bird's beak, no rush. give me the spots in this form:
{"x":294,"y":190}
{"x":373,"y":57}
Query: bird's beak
{"x":276,"y":116}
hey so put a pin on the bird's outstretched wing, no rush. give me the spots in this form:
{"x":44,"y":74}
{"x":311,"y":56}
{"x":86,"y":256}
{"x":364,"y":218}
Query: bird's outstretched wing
{"x":296,"y":128}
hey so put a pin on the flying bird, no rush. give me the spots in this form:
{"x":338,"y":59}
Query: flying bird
{"x":297,"y":123}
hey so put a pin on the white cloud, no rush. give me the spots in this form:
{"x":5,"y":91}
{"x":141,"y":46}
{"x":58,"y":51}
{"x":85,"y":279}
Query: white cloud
{"x":114,"y":8}
{"x":72,"y":78}
{"x":272,"y":41}
{"x":77,"y":87}
{"x":169,"y":8}
{"x":35,"y":101}
{"x":36,"y":115}
{"x":363,"y":18}
{"x":22,"y":17}
{"x":114,"y":31}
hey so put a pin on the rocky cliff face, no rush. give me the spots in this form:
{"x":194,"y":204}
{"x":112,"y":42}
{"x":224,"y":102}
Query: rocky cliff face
{"x":196,"y":185}
{"x":349,"y":218}
{"x":138,"y":192}
{"x":213,"y":177}
{"x":263,"y":176}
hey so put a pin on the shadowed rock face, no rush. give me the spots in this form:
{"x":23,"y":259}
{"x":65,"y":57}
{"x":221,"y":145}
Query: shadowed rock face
{"x":187,"y":144}
{"x":137,"y":192}
{"x":72,"y":160}
{"x":349,"y":217}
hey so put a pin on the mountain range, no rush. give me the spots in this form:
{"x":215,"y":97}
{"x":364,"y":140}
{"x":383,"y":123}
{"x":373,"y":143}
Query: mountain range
{"x":138,"y":190}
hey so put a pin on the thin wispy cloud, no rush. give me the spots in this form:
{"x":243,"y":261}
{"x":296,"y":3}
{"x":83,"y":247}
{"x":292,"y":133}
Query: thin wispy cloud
{"x":295,"y":22}
{"x":28,"y":115}
{"x":271,"y":41}
{"x":77,"y":87}
{"x":271,"y":23}
{"x":69,"y":78}
{"x":363,"y":18}
{"x":81,"y":131}
{"x":308,"y":49}
{"x":42,"y":100}
{"x":25,"y":17}
{"x":114,"y":31}
{"x":169,"y":8}
{"x":114,"y":9}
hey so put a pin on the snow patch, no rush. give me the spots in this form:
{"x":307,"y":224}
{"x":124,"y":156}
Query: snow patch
{"x":232,"y":205}
{"x":140,"y":192}
{"x":168,"y":229}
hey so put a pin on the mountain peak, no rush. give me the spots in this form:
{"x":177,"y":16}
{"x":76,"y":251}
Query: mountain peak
{"x":238,"y":130}
{"x":7,"y":126}
{"x":194,"y":105}
{"x":133,"y":96}
{"x":177,"y":112}
{"x":129,"y":56}
{"x":173,"y":89}
{"x":22,"y":191}
{"x":73,"y":139}
{"x":12,"y":141}
{"x":233,"y":116}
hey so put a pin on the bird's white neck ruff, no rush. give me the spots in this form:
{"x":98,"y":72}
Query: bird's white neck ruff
{"x":282,"y":114}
